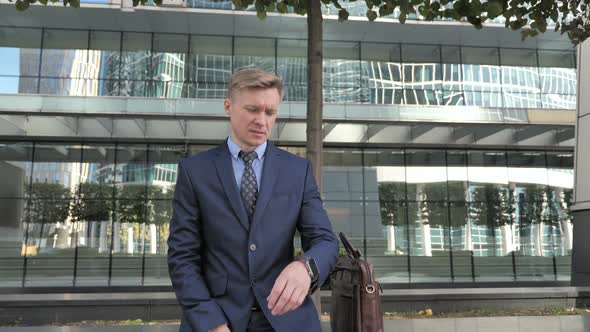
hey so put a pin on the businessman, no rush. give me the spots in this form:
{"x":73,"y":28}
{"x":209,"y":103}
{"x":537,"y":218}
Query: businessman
{"x":235,"y":212}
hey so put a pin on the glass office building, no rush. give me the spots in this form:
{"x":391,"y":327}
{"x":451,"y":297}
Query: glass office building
{"x":444,"y":162}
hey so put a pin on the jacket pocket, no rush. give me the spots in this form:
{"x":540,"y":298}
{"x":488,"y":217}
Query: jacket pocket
{"x":217,"y":284}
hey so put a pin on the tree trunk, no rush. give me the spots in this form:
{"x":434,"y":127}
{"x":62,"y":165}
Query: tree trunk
{"x":468,"y":238}
{"x":391,"y":239}
{"x":153,"y":239}
{"x":315,"y":99}
{"x":426,"y":239}
{"x":538,"y":234}
{"x":102,"y":239}
{"x":507,"y":244}
{"x":116,"y":237}
{"x":93,"y":227}
{"x":566,"y":237}
{"x":130,"y":242}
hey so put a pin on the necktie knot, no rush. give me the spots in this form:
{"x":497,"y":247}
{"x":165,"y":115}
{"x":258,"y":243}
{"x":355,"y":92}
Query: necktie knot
{"x":248,"y":157}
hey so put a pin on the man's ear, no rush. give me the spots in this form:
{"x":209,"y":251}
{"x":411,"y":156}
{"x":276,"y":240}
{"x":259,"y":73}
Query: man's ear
{"x":227,"y":106}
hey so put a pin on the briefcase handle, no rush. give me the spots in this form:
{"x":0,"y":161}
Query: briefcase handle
{"x":350,"y":250}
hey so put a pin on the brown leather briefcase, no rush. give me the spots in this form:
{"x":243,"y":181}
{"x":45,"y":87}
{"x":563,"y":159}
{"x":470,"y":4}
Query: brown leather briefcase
{"x":356,"y":300}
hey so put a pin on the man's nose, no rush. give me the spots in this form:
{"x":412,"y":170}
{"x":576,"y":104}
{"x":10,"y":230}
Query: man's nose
{"x":259,"y":119}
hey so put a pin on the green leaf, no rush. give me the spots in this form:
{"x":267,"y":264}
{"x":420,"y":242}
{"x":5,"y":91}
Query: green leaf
{"x":238,"y":4}
{"x":21,"y":5}
{"x":270,"y":7}
{"x":337,"y":5}
{"x":261,"y":14}
{"x":402,"y":18}
{"x":369,"y":4}
{"x":495,"y":8}
{"x":476,"y":22}
{"x":76,"y":3}
{"x":44,"y":2}
{"x":343,"y":15}
{"x":371,"y":15}
{"x":282,"y":8}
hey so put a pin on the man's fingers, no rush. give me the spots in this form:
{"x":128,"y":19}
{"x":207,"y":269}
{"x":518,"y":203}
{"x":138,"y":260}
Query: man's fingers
{"x":283,"y":301}
{"x":276,"y":291}
{"x":295,"y":300}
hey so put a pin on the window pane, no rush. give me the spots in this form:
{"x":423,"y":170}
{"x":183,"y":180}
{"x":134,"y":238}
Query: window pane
{"x":426,"y":175}
{"x":254,"y":52}
{"x":518,"y":57}
{"x":461,"y":241}
{"x":106,"y":46}
{"x":210,"y":59}
{"x":342,"y":73}
{"x":558,"y":80}
{"x":520,"y":79}
{"x":458,"y":187}
{"x":131,"y":211}
{"x":480,"y":56}
{"x":93,"y":211}
{"x":11,"y":240}
{"x":56,"y":174}
{"x":169,"y":65}
{"x":561,"y":59}
{"x":135,"y":59}
{"x":15,"y":84}
{"x":481,"y":77}
{"x":163,"y":161}
{"x":15,"y":169}
{"x":65,"y":54}
{"x":387,"y":243}
{"x":19,"y":51}
{"x":292,"y":68}
{"x":342,"y":175}
{"x":561,"y":180}
{"x":429,"y":241}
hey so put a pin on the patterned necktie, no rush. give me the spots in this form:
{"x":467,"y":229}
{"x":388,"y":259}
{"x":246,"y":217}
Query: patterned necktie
{"x":249,"y":190}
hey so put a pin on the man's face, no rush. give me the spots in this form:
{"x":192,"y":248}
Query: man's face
{"x":252,"y":114}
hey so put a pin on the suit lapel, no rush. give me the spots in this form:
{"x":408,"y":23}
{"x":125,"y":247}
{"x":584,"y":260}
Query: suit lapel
{"x":270,"y":171}
{"x":225,"y":171}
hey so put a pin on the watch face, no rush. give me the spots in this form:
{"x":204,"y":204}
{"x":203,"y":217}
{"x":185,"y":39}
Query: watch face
{"x":314,"y":268}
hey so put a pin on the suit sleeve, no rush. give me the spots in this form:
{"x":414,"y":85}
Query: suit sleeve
{"x":317,"y":239}
{"x":185,"y":262}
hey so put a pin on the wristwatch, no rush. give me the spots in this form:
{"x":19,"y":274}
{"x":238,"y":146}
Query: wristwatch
{"x":312,"y":270}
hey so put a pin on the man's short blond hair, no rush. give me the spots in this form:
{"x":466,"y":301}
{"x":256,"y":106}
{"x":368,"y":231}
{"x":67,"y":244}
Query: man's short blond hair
{"x":254,"y":78}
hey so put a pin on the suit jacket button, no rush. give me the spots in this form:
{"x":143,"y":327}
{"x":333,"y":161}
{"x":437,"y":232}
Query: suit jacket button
{"x":252,"y":247}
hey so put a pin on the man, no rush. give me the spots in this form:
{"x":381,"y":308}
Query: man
{"x":236,"y":210}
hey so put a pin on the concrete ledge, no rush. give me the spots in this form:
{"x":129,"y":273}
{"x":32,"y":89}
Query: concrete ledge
{"x":39,"y":309}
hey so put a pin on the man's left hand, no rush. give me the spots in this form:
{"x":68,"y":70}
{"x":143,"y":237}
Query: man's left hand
{"x":290,"y":289}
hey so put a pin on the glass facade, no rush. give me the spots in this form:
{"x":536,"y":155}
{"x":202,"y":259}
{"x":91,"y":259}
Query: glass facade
{"x":106,"y":63}
{"x":98,"y":214}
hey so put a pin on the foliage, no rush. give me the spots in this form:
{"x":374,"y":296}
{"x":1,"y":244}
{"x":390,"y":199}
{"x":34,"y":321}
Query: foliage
{"x":48,"y":203}
{"x":571,"y":17}
{"x":94,"y":202}
{"x":492,"y":206}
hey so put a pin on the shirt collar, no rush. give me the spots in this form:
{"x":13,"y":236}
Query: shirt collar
{"x":234,"y":149}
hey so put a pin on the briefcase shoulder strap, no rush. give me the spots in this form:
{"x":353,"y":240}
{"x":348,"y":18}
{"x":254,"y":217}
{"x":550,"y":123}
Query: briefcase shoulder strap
{"x":350,"y":250}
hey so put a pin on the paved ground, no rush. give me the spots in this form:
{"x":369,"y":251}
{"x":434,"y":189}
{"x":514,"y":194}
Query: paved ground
{"x":477,"y":324}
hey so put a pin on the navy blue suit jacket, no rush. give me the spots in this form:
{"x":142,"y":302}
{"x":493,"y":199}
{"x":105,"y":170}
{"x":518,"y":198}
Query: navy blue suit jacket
{"x":220,"y":264}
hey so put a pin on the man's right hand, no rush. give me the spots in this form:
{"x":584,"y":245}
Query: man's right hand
{"x":221,"y":328}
